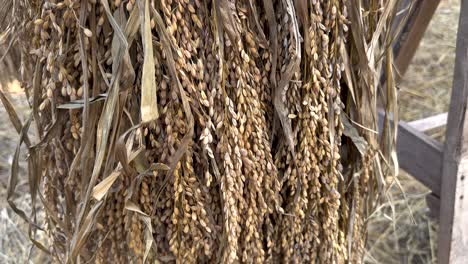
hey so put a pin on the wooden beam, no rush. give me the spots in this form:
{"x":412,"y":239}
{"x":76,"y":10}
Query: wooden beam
{"x":418,"y":154}
{"x":412,"y":33}
{"x":453,"y":217}
{"x":429,"y":123}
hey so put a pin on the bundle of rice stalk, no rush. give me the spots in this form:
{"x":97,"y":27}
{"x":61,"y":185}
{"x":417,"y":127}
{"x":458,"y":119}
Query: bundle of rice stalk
{"x":205,"y":131}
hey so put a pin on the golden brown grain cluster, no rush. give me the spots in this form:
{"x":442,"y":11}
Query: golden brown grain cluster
{"x":195,"y":131}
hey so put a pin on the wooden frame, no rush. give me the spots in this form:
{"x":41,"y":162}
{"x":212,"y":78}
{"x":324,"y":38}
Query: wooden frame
{"x":442,"y":168}
{"x":453,"y":218}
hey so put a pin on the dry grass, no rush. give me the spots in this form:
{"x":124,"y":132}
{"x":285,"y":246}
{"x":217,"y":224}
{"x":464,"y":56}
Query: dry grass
{"x":401,"y":231}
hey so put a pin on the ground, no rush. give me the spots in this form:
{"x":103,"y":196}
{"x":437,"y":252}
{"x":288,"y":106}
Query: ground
{"x":400,"y":231}
{"x":15,"y":246}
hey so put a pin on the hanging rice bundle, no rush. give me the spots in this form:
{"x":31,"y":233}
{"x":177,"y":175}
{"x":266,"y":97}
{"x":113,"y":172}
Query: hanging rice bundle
{"x":205,"y":131}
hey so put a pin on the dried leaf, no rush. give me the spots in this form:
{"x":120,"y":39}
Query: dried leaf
{"x":78,"y":104}
{"x":131,"y":206}
{"x":293,"y":66}
{"x":84,"y":230}
{"x":149,"y":103}
{"x":351,"y":132}
{"x":101,"y":189}
{"x":12,"y":114}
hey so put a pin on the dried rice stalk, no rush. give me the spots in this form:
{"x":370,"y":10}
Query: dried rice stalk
{"x":206,"y":131}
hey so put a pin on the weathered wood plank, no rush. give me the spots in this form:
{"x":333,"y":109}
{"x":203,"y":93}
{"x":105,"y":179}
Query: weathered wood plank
{"x":453,"y":217}
{"x":412,"y":34}
{"x":418,"y":154}
{"x":429,"y":123}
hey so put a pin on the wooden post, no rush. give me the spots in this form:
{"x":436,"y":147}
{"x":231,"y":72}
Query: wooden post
{"x":453,"y":217}
{"x":413,"y":32}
